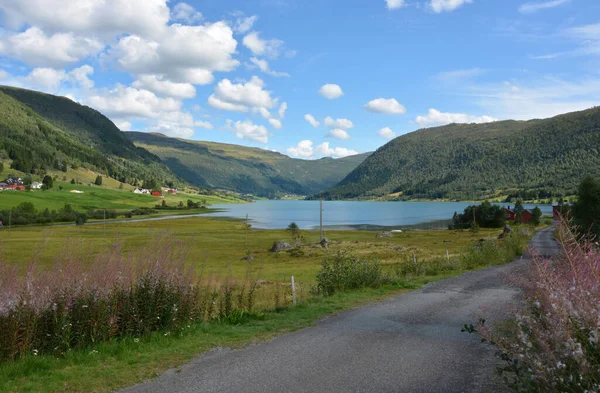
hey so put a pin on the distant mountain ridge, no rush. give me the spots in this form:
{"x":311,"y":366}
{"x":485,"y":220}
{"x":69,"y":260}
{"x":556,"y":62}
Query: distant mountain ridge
{"x":245,"y":169}
{"x":547,"y":157}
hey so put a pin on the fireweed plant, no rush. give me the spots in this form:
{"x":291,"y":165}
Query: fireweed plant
{"x":80,"y":300}
{"x":552,"y":343}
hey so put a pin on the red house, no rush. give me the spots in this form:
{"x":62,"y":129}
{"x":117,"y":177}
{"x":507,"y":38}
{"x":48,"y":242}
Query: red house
{"x":510,"y":215}
{"x":526,"y":217}
{"x":156,"y":194}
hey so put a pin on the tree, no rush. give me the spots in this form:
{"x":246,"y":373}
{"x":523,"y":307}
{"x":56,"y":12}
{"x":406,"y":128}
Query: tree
{"x":537,"y":216}
{"x":72,"y":181}
{"x":80,"y":218}
{"x":120,"y":186}
{"x":519,"y":209}
{"x":27,"y":180}
{"x":485,"y":215}
{"x":47,"y":182}
{"x":98,"y":181}
{"x":586,"y":212}
{"x":1,"y":167}
{"x":150,"y":184}
{"x":294,"y":229}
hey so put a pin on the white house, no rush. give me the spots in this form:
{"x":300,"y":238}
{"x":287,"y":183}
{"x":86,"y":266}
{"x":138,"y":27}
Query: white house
{"x":141,"y":191}
{"x":36,"y":185}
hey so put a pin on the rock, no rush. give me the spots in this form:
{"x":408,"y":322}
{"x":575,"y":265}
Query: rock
{"x":507,"y":231}
{"x":384,"y":235}
{"x":447,"y":241}
{"x":325,"y":242}
{"x":248,"y":258}
{"x":281,"y":246}
{"x":399,"y":248}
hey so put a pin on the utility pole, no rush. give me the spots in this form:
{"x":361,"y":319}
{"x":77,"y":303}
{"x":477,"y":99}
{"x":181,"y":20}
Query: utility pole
{"x":246,"y":240}
{"x":104,"y":223}
{"x":321,"y":217}
{"x":9,"y":221}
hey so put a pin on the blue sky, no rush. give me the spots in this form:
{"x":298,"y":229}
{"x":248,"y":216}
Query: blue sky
{"x":306,"y":78}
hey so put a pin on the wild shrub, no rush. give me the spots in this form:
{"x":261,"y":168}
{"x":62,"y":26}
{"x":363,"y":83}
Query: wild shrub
{"x":80,"y":301}
{"x":496,"y":252}
{"x":553,"y":345}
{"x":341,"y":272}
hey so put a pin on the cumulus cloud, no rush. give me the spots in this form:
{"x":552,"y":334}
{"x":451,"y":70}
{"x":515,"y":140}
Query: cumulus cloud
{"x":182,"y":54}
{"x":259,"y":47}
{"x":183,"y":12}
{"x":241,"y":97}
{"x":439,"y":6}
{"x":529,"y":8}
{"x":395,"y":4}
{"x":338,"y":133}
{"x":275,"y":123}
{"x":303,"y":148}
{"x":337,"y":152}
{"x":123,"y":125}
{"x":249,"y":131}
{"x":53,"y":81}
{"x":344,"y":124}
{"x":311,"y":120}
{"x":156,"y":84}
{"x":437,"y":118}
{"x":306,"y":149}
{"x":263,"y":65}
{"x":36,"y":48}
{"x":331,"y":91}
{"x":282,"y":108}
{"x":123,"y":102}
{"x":387,"y":133}
{"x":92,"y":18}
{"x":387,"y":106}
{"x":48,"y":79}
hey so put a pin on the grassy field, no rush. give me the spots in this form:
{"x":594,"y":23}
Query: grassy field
{"x":219,"y":245}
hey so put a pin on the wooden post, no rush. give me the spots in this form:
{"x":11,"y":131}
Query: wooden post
{"x":414,"y":259}
{"x":104,"y":223}
{"x":293,"y":292}
{"x":321,"y":217}
{"x":246,"y":239}
{"x":447,"y":256}
{"x":9,"y":221}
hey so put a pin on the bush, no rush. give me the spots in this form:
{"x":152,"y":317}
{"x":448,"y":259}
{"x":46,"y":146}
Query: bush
{"x":341,"y":272}
{"x":553,"y":345}
{"x":496,"y":252}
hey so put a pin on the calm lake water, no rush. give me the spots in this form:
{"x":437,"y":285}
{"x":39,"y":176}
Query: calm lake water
{"x":345,"y":214}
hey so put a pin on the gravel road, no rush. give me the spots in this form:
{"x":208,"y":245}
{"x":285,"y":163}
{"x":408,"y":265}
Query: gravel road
{"x":411,"y":343}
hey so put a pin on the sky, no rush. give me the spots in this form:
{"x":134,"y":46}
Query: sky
{"x":307,"y":78}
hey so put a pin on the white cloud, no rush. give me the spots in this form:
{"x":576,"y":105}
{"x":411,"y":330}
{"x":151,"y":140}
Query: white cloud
{"x":182,"y":54}
{"x":311,"y":120}
{"x":249,"y":131}
{"x":157,"y":85}
{"x":305,"y":149}
{"x":96,"y":18}
{"x":259,"y":47}
{"x":243,"y":24}
{"x":207,"y":125}
{"x":529,"y":8}
{"x":124,"y":102}
{"x":263,"y":65}
{"x":344,"y":124}
{"x":439,"y":6}
{"x":123,"y":125}
{"x":4,"y":74}
{"x":437,"y":118}
{"x":387,"y":133}
{"x":338,"y":152}
{"x":184,"y":12}
{"x":241,"y":97}
{"x":35,"y":48}
{"x":53,"y":81}
{"x":47,"y":79}
{"x":81,"y":76}
{"x":275,"y":123}
{"x":338,"y":133}
{"x":282,"y":110}
{"x":302,"y":149}
{"x":174,"y":130}
{"x":395,"y":4}
{"x":387,"y":106}
{"x":331,"y":91}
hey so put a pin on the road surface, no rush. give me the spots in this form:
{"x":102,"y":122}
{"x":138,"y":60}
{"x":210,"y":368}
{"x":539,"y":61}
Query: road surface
{"x":411,"y":343}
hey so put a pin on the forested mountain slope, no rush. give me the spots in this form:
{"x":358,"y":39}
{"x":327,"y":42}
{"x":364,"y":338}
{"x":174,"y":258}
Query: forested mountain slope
{"x":41,"y":131}
{"x":465,"y":161}
{"x":244,"y":169}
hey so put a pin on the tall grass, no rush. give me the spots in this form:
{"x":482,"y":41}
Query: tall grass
{"x":342,"y":272}
{"x":552,"y":344}
{"x":80,"y":300}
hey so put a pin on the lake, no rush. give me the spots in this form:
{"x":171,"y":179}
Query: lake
{"x":348,"y":214}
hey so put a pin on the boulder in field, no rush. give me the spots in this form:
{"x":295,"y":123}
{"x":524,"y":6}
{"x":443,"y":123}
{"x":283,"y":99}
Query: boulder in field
{"x":384,"y":235}
{"x":281,"y":246}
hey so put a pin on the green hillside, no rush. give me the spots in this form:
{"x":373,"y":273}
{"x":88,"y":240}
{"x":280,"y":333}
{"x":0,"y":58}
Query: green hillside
{"x":244,"y":169}
{"x":41,"y":132}
{"x":540,"y":158}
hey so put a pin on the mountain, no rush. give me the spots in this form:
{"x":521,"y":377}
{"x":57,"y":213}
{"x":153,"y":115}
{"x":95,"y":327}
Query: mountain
{"x":542,"y":158}
{"x":42,"y":131}
{"x":245,"y":169}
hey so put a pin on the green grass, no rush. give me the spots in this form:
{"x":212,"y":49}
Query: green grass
{"x":115,"y":365}
{"x":218,"y":245}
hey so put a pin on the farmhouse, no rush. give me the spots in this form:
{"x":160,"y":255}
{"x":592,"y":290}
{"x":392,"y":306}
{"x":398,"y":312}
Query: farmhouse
{"x":12,"y":184}
{"x":36,"y":185}
{"x":156,"y":194}
{"x":172,"y":191}
{"x":141,"y":191}
{"x":526,"y":216}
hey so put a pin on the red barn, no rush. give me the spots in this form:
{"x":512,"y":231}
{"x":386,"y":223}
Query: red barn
{"x":526,"y":217}
{"x":510,"y":215}
{"x":156,"y":194}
